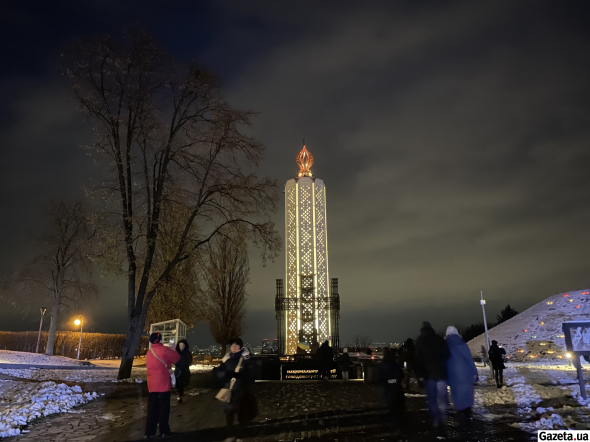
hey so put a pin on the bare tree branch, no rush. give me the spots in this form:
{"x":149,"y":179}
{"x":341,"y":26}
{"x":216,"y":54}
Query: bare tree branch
{"x":181,"y":168}
{"x":61,"y":274}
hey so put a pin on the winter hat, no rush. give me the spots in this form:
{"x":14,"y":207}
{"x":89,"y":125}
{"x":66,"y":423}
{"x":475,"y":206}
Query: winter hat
{"x":237,"y":341}
{"x":451,"y":330}
{"x":494,"y":342}
{"x":155,"y":338}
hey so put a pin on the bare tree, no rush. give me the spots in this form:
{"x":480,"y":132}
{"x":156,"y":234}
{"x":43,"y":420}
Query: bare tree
{"x":62,"y":270}
{"x":361,"y":341}
{"x":176,"y":151}
{"x":226,"y":274}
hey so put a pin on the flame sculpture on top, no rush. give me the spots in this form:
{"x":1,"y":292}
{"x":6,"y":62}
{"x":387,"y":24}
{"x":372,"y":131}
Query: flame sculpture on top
{"x":304,"y":161}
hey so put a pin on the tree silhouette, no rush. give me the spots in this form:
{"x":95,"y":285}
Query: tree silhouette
{"x":175,"y":152}
{"x":506,"y":313}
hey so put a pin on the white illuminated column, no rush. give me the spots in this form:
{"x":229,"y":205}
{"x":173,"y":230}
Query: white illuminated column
{"x":306,"y":246}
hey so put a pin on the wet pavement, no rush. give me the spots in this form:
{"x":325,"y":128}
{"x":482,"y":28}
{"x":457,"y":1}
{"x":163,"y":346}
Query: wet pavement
{"x":337,"y":411}
{"x":288,"y":411}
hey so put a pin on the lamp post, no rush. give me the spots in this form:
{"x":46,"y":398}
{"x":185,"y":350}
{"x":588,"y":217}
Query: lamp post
{"x":485,"y":322}
{"x":79,"y":322}
{"x":43,"y":310}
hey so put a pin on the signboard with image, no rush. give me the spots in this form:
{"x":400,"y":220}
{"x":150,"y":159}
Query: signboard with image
{"x":577,"y":337}
{"x":577,"y":341}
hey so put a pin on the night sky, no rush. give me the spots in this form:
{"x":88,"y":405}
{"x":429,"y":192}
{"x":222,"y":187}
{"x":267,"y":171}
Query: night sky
{"x":453,"y":137}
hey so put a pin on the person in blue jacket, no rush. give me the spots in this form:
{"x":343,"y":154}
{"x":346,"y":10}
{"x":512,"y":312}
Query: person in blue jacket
{"x":462,"y":373}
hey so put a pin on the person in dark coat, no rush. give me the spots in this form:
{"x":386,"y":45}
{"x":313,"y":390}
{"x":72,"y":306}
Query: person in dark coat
{"x":243,"y":403}
{"x":408,"y":355}
{"x":391,"y":377}
{"x":345,"y":364}
{"x":431,"y":365}
{"x":496,"y":355}
{"x":461,"y":372}
{"x":326,"y":359}
{"x":182,"y":370}
{"x":315,"y":346}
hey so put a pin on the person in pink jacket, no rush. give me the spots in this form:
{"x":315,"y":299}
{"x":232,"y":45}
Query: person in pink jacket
{"x":158,"y":361}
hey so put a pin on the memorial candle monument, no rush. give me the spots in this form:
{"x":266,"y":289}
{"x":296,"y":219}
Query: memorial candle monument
{"x":308,"y":305}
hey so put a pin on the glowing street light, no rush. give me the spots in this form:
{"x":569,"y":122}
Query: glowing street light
{"x":79,"y":321}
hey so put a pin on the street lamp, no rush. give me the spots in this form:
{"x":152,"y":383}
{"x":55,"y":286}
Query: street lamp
{"x":79,"y":322}
{"x":485,"y":322}
{"x":43,"y":310}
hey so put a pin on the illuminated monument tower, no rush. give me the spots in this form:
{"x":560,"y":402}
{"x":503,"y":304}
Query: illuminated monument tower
{"x":308,"y":306}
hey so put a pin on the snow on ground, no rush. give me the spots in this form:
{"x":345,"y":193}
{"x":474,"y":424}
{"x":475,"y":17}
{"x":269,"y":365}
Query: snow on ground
{"x":20,"y":357}
{"x":534,"y":396}
{"x":101,"y":370}
{"x":23,"y":402}
{"x":537,"y":333}
{"x":138,"y":374}
{"x":115,"y":363}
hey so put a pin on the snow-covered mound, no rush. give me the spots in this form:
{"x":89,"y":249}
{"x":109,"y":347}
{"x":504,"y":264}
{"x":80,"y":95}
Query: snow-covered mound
{"x":537,"y":332}
{"x":23,"y":402}
{"x":21,"y":357}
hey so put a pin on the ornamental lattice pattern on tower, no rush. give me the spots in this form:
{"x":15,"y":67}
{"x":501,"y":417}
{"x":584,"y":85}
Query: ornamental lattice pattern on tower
{"x":306,"y":261}
{"x":321,"y":264}
{"x":291,"y":258}
{"x":308,"y":306}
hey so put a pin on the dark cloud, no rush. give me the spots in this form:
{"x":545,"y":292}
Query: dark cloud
{"x":453,"y":139}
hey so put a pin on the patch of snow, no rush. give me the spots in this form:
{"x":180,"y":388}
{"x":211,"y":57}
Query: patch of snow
{"x":21,"y":357}
{"x":24,"y":402}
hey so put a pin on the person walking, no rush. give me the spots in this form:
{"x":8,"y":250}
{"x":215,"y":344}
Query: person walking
{"x":159,"y":361}
{"x":431,"y":364}
{"x":391,"y":377}
{"x":462,"y":372}
{"x":236,"y":365}
{"x":182,"y":370}
{"x":326,"y":360}
{"x":496,"y":355}
{"x":345,"y":364}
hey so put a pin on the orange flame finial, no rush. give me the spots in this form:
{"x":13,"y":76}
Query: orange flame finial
{"x":304,"y":161}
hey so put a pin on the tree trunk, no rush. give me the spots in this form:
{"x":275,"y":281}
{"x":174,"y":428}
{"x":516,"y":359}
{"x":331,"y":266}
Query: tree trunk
{"x":53,"y":324}
{"x":132,"y":340}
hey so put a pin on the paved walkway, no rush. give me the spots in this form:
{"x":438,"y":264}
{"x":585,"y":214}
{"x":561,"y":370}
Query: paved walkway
{"x":330,"y":411}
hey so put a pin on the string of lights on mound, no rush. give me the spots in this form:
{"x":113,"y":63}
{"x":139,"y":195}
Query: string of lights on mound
{"x":536,"y":333}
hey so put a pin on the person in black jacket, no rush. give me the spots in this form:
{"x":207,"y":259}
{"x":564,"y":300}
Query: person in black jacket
{"x":345,"y":363}
{"x":182,"y":369}
{"x":243,"y":403}
{"x":496,"y":355}
{"x":391,"y":377}
{"x":408,"y":356}
{"x":326,"y":359}
{"x":431,"y":365}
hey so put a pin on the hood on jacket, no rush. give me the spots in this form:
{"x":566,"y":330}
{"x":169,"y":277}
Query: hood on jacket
{"x":427,"y":329}
{"x":451,"y":330}
{"x":186,"y":346}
